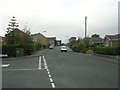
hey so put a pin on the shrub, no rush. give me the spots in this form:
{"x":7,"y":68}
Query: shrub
{"x":11,"y":49}
{"x":78,"y":47}
{"x":107,"y":50}
{"x":75,"y":48}
{"x":37,"y":46}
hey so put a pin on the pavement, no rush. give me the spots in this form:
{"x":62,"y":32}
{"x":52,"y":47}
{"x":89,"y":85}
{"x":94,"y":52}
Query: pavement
{"x":51,"y":68}
{"x":108,"y":58}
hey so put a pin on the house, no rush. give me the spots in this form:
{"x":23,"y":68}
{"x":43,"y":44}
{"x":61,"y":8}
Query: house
{"x":38,"y":37}
{"x":17,"y":37}
{"x":111,"y":40}
{"x":58,"y":42}
{"x":52,"y":40}
{"x":72,"y":39}
{"x":95,"y":40}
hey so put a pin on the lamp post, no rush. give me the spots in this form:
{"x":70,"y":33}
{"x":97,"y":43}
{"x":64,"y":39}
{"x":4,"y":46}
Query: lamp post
{"x":85,"y":26}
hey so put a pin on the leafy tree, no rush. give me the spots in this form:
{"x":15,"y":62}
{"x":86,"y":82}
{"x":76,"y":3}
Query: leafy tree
{"x":15,"y":35}
{"x":86,"y":41}
{"x":79,"y":47}
{"x":95,"y":35}
{"x":26,"y":30}
{"x":12,"y":37}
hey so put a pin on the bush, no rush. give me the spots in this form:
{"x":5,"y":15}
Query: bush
{"x":75,"y":48}
{"x":107,"y":50}
{"x":11,"y":49}
{"x":37,"y":46}
{"x":78,"y":47}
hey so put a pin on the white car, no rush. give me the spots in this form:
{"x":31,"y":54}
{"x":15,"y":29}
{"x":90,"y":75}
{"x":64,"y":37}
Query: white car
{"x":63,"y":49}
{"x":51,"y":47}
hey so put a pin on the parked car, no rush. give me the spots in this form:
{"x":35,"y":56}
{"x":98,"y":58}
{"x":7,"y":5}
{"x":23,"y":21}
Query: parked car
{"x":51,"y":47}
{"x":63,"y":49}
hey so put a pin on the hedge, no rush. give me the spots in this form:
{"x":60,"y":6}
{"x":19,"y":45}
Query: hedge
{"x":107,"y":50}
{"x":78,"y":47}
{"x":10,"y":50}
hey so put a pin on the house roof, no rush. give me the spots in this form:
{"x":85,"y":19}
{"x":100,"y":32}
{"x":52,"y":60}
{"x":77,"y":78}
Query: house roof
{"x":113,"y":37}
{"x":51,"y":37}
{"x":36,"y":34}
{"x":96,"y":39}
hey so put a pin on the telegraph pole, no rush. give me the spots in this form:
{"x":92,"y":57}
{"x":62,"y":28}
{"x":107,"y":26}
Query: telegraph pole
{"x":85,"y":26}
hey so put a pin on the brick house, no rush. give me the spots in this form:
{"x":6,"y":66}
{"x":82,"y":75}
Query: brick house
{"x":111,"y":40}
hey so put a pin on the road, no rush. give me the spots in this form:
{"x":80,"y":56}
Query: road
{"x":54,"y":69}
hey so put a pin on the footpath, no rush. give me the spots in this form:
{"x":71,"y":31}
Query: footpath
{"x":36,"y":54}
{"x":110,"y":58}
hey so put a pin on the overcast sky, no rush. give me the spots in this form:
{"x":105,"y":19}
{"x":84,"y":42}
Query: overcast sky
{"x":62,"y":18}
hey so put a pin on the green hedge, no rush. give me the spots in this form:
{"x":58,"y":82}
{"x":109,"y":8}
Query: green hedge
{"x":10,"y":49}
{"x":107,"y":50}
{"x":78,"y":47}
{"x":37,"y":46}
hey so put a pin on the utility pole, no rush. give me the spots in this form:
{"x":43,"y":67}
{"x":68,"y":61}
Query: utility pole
{"x":85,"y":26}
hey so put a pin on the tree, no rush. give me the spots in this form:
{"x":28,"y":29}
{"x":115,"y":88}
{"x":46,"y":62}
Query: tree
{"x":95,"y":35}
{"x":86,"y":41}
{"x":12,"y":37}
{"x":26,"y":29}
{"x":15,"y":35}
{"x":12,"y":25}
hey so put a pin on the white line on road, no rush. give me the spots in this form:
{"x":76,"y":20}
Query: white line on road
{"x":19,"y":69}
{"x":5,"y":65}
{"x":53,"y":85}
{"x":39,"y":63}
{"x":45,"y":64}
{"x":47,"y":70}
{"x":51,"y":80}
{"x":49,"y":75}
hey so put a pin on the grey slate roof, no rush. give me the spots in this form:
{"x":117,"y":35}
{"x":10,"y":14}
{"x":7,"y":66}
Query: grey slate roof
{"x":113,"y":37}
{"x":96,"y":39}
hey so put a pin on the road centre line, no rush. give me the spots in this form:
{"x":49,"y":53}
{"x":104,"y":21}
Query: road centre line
{"x":51,"y":80}
{"x":47,"y":69}
{"x":53,"y":85}
{"x":39,"y":63}
{"x":45,"y":64}
{"x":49,"y":75}
{"x":48,"y":72}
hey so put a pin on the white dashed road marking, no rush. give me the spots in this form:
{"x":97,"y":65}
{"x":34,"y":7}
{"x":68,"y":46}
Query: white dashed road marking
{"x":51,"y":80}
{"x":49,"y":75}
{"x":53,"y":85}
{"x":5,"y":65}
